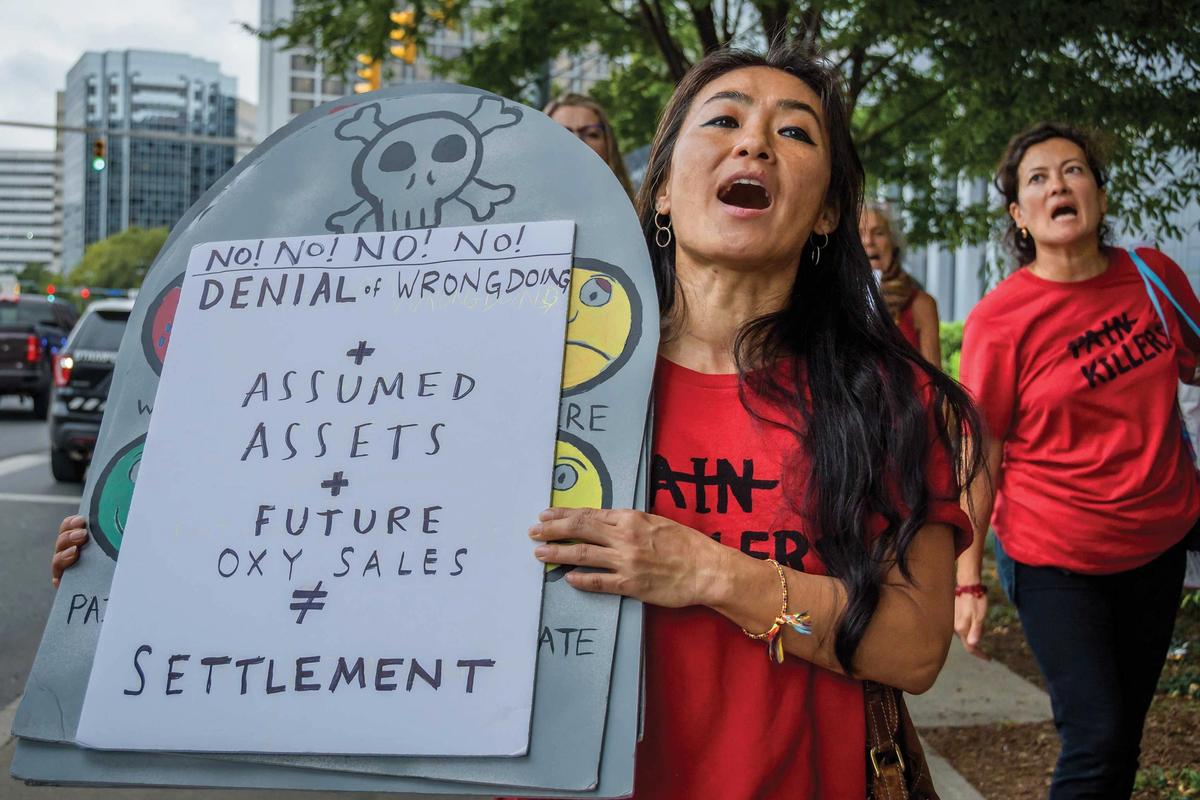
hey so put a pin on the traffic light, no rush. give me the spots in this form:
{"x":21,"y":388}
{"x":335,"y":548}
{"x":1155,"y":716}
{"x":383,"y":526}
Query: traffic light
{"x":404,"y":48}
{"x":369,"y":72}
{"x":98,"y":148}
{"x":85,"y":293}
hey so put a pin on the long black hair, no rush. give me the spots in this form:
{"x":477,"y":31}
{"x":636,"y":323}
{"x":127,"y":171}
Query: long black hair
{"x":854,"y":387}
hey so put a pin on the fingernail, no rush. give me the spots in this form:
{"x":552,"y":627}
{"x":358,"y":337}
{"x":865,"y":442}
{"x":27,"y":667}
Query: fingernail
{"x":541,"y":551}
{"x":70,"y":551}
{"x":78,"y":536}
{"x":535,"y":531}
{"x":545,"y":515}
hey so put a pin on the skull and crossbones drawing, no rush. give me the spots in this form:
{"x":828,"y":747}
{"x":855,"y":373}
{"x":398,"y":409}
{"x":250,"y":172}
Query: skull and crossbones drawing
{"x":408,"y":170}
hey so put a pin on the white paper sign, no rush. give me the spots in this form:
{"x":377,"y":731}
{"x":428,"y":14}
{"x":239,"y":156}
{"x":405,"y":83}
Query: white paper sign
{"x":327,"y":551}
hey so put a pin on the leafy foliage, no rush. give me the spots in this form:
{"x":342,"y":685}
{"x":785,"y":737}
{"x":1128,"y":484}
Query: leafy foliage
{"x":950,"y":336}
{"x":937,"y":86}
{"x":121,"y":260}
{"x":1168,"y":784}
{"x":34,"y":276}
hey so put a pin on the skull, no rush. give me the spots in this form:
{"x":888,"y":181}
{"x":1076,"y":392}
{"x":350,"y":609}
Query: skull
{"x":413,"y":168}
{"x":408,"y":170}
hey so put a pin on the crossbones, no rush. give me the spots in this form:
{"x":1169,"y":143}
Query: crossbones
{"x":408,"y":170}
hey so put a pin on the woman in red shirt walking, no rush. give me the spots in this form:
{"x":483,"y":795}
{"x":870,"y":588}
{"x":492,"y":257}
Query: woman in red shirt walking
{"x":913,"y":309}
{"x":1092,"y":490}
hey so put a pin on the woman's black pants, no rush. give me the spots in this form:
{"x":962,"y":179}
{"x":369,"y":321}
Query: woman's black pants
{"x":1101,"y":641}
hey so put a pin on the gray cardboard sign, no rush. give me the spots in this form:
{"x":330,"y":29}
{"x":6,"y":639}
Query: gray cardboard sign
{"x":330,"y":170}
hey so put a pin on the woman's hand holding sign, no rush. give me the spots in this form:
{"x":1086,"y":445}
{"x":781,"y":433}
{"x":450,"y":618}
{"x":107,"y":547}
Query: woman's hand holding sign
{"x":646,"y":556}
{"x":72,"y":535}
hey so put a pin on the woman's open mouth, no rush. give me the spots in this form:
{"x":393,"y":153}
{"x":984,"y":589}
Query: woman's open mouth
{"x":1064,"y":211}
{"x":745,"y":193}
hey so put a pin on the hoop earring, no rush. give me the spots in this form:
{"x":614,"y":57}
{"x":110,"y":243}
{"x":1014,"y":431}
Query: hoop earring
{"x":817,"y":248}
{"x":660,"y":229}
{"x":1024,"y":232}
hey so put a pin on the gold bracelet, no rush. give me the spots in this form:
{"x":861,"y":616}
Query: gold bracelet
{"x":783,"y":587}
{"x":801,"y":623}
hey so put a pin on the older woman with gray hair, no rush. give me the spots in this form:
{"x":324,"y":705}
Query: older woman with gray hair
{"x":912,"y":309}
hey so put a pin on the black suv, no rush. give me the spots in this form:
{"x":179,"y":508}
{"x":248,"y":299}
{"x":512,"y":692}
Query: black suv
{"x":82,"y":376}
{"x":32,"y":330}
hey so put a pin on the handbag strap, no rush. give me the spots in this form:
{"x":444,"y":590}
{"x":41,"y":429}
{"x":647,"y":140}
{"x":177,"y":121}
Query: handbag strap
{"x":1151,"y":280}
{"x":1150,"y":277}
{"x":886,"y":781}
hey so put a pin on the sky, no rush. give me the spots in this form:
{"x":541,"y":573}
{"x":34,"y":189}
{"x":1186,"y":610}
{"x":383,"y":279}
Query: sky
{"x":41,"y":39}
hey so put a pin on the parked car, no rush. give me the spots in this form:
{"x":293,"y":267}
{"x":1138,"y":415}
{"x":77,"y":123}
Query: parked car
{"x":82,"y":376}
{"x":32,"y":331}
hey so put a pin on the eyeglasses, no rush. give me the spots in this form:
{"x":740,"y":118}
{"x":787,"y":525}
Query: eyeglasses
{"x":588,"y":133}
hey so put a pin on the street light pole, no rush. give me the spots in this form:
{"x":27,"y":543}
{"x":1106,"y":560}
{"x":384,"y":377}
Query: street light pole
{"x":104,"y":130}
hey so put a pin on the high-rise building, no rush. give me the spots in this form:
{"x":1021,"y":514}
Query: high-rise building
{"x":246,"y":126}
{"x":290,"y":82}
{"x":144,"y":182}
{"x":29,"y":233}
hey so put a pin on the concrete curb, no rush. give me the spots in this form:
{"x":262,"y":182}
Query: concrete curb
{"x":971,"y":692}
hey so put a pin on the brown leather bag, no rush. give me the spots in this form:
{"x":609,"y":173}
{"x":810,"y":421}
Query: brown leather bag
{"x":896,"y":766}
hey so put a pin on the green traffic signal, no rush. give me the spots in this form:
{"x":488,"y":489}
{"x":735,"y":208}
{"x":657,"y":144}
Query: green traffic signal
{"x":97,"y":163}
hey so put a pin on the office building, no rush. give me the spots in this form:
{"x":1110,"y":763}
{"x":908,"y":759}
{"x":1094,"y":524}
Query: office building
{"x":29,"y":233}
{"x":145,"y":182}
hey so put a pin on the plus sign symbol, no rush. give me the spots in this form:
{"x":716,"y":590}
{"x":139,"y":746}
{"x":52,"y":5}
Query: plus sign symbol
{"x":335,"y":484}
{"x":360,"y":352}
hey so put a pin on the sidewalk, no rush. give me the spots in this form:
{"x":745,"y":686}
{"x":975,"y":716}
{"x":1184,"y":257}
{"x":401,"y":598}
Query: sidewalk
{"x":968,"y":692}
{"x":973,"y":692}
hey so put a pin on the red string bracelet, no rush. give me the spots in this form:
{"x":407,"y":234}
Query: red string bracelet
{"x":974,"y":589}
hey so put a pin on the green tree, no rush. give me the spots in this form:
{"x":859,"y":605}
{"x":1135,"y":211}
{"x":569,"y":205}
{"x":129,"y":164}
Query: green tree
{"x":121,"y":260}
{"x":936,"y":87}
{"x":34,"y":276}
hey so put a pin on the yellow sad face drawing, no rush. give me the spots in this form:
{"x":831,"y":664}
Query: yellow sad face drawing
{"x":580,"y":481}
{"x":604,"y":323}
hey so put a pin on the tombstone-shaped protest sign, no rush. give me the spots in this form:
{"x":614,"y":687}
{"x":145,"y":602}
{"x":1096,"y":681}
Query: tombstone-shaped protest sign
{"x":347,"y":169}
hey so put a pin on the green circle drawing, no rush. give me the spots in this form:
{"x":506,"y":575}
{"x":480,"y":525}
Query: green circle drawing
{"x":112,"y":496}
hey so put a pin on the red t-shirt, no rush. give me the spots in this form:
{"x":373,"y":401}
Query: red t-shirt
{"x":723,"y":722}
{"x":1079,"y":380}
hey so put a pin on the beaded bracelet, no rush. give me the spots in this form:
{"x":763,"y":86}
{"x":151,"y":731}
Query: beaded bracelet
{"x":973,"y":589}
{"x":801,"y":623}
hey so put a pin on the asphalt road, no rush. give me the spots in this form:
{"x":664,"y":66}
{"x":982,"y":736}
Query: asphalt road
{"x":32,"y":504}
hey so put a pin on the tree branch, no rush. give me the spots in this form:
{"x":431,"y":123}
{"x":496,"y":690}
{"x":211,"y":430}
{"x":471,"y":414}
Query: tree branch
{"x":732,"y":26}
{"x":878,"y":68}
{"x":774,"y":14}
{"x":706,"y":25}
{"x":811,"y":21}
{"x":857,"y":53}
{"x":676,"y":63}
{"x":618,"y":13}
{"x":902,"y":118}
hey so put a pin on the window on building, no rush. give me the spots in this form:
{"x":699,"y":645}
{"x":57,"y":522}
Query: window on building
{"x":333,"y":86}
{"x":303,"y":85}
{"x":303,"y":62}
{"x":300,"y":105}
